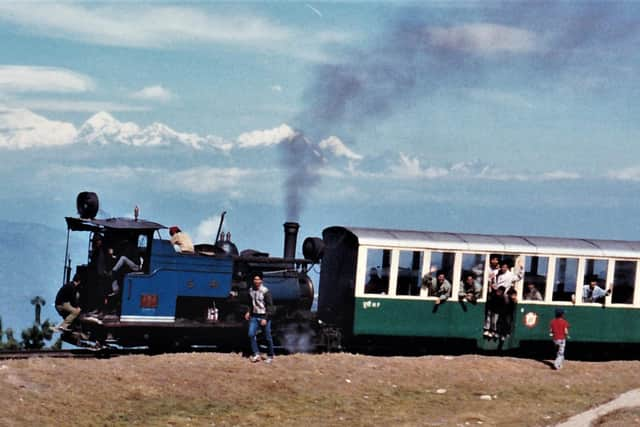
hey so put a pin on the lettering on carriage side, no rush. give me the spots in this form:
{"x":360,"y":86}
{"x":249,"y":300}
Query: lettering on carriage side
{"x":530,"y":319}
{"x":370,"y":304}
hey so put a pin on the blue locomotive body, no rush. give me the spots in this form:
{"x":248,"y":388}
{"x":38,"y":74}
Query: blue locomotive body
{"x":153,"y":296}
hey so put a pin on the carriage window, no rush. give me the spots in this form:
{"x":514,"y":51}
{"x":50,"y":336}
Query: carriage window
{"x":624,"y":278}
{"x":378,"y":262}
{"x":535,"y":278}
{"x":441,"y":263}
{"x":595,"y":280}
{"x":409,"y":269}
{"x":566,"y":278}
{"x":472,"y":266}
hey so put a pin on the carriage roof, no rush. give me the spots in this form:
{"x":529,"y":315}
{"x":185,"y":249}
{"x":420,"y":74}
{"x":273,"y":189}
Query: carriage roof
{"x":82,"y":224}
{"x":469,"y":242}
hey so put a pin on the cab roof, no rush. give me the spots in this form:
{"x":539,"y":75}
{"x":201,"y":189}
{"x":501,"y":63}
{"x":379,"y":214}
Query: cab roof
{"x":83,"y":224}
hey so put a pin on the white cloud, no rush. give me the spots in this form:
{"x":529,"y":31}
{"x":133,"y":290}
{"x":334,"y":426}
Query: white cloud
{"x":276,"y":88}
{"x":559,"y":176}
{"x":497,"y":97}
{"x":266,"y":137}
{"x":204,"y":180}
{"x":22,"y":129}
{"x":207,"y":229}
{"x":70,"y":106}
{"x":626,"y":174}
{"x":153,"y":93}
{"x":338,"y":148}
{"x":21,"y":78}
{"x":485,"y":39}
{"x":169,"y":27}
{"x":141,"y":26}
{"x":408,"y":167}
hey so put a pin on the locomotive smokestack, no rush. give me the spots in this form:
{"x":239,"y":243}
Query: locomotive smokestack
{"x":290,"y":238}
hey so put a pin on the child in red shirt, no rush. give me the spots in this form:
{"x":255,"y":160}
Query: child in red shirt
{"x":559,"y":330}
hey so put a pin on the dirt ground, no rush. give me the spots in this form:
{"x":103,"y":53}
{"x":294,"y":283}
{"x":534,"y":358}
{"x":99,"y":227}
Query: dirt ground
{"x":218,"y":389}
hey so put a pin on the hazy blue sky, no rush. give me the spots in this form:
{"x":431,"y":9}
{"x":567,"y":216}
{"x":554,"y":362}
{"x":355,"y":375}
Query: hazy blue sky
{"x":469,"y":116}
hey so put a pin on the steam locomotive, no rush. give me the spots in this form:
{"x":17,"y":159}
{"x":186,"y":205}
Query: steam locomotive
{"x":175,"y":299}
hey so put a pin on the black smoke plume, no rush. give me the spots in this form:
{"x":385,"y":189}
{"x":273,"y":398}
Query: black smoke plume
{"x":409,"y":61}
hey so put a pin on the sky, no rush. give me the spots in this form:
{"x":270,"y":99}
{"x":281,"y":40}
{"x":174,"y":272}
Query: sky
{"x":486,"y":117}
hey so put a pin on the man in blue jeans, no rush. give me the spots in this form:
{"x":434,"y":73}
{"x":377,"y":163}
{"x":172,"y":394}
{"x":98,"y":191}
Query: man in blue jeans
{"x":259,"y":315}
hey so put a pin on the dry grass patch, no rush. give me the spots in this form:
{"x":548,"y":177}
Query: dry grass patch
{"x":196,"y":389}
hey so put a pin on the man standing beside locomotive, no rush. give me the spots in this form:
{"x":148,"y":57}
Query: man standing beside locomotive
{"x":259,"y":315}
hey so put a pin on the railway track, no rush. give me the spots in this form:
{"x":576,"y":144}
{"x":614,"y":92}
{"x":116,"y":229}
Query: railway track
{"x":70,"y":353}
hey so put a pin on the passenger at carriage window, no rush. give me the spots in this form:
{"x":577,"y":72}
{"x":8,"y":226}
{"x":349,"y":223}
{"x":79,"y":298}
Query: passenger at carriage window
{"x":506,"y":277}
{"x":532,"y":293}
{"x":375,"y":284}
{"x":181,"y":240}
{"x":441,"y":288}
{"x":592,"y":292}
{"x":470,"y":289}
{"x":494,"y":269}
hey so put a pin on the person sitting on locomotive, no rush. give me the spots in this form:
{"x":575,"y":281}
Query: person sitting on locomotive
{"x":181,"y":240}
{"x":441,"y":288}
{"x":532,"y":293}
{"x":67,"y":304}
{"x":591,"y":292}
{"x":124,"y":260}
{"x":470,"y":289}
{"x":99,"y":274}
{"x":259,"y":315}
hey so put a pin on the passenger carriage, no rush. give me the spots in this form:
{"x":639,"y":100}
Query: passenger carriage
{"x":399,"y":306}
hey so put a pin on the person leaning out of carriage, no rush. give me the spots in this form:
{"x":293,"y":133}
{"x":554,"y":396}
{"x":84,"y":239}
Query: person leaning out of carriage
{"x":470,"y":289}
{"x":441,"y":288}
{"x":591,"y":292}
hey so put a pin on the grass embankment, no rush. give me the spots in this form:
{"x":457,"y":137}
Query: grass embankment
{"x":312,"y":390}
